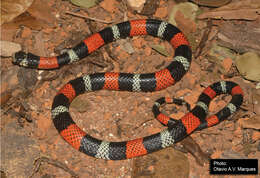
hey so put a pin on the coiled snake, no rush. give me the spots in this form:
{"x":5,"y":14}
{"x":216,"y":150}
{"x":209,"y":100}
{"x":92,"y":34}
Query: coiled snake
{"x":148,"y":82}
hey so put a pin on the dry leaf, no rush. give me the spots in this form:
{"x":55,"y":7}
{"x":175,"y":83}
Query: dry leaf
{"x":160,"y":49}
{"x":27,"y":20}
{"x":248,"y":65}
{"x":245,"y":4}
{"x":250,"y":123}
{"x":12,"y":8}
{"x":84,"y":3}
{"x":80,"y":105}
{"x":189,"y":11}
{"x":246,"y":9}
{"x":240,"y":37}
{"x":45,"y":15}
{"x":245,"y":14}
{"x":9,"y":48}
{"x":136,"y":4}
{"x":4,"y":97}
{"x":109,"y":5}
{"x":211,"y":3}
{"x":126,"y":46}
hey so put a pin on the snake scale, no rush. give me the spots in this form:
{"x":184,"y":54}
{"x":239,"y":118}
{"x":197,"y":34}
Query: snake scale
{"x":147,"y":82}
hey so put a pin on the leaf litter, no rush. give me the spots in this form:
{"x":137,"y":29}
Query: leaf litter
{"x":117,"y":116}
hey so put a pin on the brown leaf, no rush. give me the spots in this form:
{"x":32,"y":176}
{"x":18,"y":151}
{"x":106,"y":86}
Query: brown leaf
{"x":109,"y":5}
{"x":84,"y":3}
{"x":240,"y":37}
{"x":250,"y":123}
{"x":246,"y":9}
{"x":150,"y":7}
{"x":211,"y":3}
{"x":245,"y":4}
{"x":136,"y":5}
{"x":160,"y":49}
{"x":39,"y":44}
{"x":187,"y":25}
{"x":245,"y":14}
{"x":12,"y":8}
{"x":24,"y":19}
{"x":164,"y":163}
{"x":46,"y":15}
{"x":193,"y":148}
{"x":248,"y":66}
{"x":4,"y":97}
{"x":8,"y":48}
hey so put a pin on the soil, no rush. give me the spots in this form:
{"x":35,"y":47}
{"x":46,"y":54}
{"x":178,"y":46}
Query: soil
{"x":39,"y":151}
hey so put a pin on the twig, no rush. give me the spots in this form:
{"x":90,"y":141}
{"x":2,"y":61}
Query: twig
{"x":54,"y":163}
{"x":87,"y":17}
{"x":203,"y":40}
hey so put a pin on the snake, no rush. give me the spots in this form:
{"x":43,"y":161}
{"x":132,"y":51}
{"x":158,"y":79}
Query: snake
{"x":177,"y":129}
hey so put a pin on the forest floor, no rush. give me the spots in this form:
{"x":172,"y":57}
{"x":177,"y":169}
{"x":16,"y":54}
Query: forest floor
{"x":30,"y":144}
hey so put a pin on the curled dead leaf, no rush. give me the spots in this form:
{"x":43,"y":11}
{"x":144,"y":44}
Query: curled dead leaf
{"x":12,"y":8}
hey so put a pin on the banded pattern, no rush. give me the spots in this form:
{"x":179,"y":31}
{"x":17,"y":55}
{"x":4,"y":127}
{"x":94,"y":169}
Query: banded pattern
{"x":151,"y":27}
{"x":196,"y":118}
{"x":177,"y":129}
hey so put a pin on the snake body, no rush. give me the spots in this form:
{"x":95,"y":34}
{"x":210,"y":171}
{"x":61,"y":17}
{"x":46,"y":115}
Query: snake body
{"x":148,"y":82}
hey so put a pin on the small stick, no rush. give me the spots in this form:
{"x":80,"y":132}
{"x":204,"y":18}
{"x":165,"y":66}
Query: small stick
{"x":203,"y":40}
{"x":87,"y":17}
{"x":54,"y":163}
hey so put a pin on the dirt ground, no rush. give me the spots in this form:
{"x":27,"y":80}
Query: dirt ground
{"x":30,"y":144}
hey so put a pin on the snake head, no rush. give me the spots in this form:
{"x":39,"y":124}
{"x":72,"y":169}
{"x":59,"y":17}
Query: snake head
{"x":28,"y":60}
{"x":20,"y":58}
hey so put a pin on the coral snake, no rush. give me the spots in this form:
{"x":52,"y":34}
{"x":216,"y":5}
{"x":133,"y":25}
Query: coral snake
{"x":177,"y":129}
